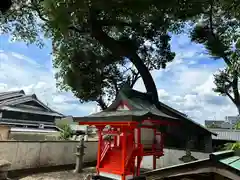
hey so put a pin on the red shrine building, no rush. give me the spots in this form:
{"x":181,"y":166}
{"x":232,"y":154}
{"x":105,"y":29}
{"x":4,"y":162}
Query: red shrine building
{"x":132,"y":127}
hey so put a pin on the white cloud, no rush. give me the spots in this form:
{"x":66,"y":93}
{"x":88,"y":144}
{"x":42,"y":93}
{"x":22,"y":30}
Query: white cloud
{"x":186,"y":84}
{"x":20,"y":72}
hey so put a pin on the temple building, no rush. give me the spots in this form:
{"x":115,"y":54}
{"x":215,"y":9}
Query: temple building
{"x":26,"y":112}
{"x":188,"y":134}
{"x":135,"y":126}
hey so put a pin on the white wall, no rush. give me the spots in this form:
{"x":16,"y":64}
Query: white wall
{"x":170,"y":158}
{"x":33,"y":154}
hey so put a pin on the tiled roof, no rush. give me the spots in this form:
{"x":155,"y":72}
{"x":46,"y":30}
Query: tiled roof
{"x":9,"y":100}
{"x":10,"y":95}
{"x":141,"y":105}
{"x":215,"y":122}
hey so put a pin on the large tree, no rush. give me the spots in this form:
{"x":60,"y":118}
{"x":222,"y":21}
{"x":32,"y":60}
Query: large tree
{"x":5,"y":5}
{"x":219,"y":31}
{"x":93,"y":40}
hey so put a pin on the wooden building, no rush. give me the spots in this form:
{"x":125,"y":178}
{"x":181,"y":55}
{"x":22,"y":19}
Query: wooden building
{"x":224,"y":136}
{"x":19,"y":110}
{"x":140,"y":126}
{"x":189,"y":134}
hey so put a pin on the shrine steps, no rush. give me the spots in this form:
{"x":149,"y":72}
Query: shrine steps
{"x":113,"y":160}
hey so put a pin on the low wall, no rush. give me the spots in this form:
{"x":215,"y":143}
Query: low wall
{"x":4,"y":132}
{"x":34,"y":154}
{"x":171,"y":157}
{"x":33,"y":136}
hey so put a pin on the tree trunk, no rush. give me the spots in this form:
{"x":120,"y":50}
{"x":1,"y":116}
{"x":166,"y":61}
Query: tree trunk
{"x":124,"y":49}
{"x":235,"y":87}
{"x":238,"y":107}
{"x":145,"y":74}
{"x":101,"y":103}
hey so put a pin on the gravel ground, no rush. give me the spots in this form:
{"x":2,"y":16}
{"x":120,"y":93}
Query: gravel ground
{"x":61,"y":175}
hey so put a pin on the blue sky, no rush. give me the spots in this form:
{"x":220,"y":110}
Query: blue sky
{"x":186,"y":84}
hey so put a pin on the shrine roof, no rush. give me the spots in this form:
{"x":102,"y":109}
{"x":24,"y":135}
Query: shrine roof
{"x":140,"y":107}
{"x":124,"y":115}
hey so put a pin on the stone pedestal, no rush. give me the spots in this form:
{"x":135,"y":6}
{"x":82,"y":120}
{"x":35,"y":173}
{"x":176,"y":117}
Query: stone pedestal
{"x":4,"y":167}
{"x":79,"y":156}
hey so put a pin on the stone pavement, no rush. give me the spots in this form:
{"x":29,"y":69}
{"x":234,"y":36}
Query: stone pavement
{"x":61,"y":175}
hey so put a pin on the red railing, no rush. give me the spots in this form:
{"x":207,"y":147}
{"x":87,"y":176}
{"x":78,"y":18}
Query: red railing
{"x":104,"y":149}
{"x":129,"y":155}
{"x":131,"y":148}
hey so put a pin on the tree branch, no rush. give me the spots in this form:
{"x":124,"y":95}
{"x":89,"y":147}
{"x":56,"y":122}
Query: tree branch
{"x":36,"y":7}
{"x":230,"y":97}
{"x":114,"y":81}
{"x":114,"y":23}
{"x":134,"y":80}
{"x":80,"y":31}
{"x":225,"y":58}
{"x":126,"y":70}
{"x":101,"y":103}
{"x":211,"y":18}
{"x":123,"y":49}
{"x":235,"y":88}
{"x":234,"y":83}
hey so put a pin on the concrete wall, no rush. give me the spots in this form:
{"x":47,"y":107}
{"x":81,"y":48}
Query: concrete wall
{"x":34,"y":154}
{"x":4,"y":132}
{"x":171,"y":157}
{"x":33,"y":136}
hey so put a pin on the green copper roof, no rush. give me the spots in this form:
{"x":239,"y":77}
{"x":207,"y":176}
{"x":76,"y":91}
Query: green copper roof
{"x":224,"y":160}
{"x":233,"y":161}
{"x":227,"y":158}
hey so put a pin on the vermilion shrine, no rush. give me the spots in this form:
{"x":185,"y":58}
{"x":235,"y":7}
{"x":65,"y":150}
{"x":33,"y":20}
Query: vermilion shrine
{"x":135,"y":127}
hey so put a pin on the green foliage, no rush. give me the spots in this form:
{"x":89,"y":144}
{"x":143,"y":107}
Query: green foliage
{"x":237,"y":125}
{"x":232,"y":146}
{"x":223,"y":81}
{"x":66,"y":132}
{"x":219,"y":32}
{"x":93,"y":41}
{"x":5,"y":5}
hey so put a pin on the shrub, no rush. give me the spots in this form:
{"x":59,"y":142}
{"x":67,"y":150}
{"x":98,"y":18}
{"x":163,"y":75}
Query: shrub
{"x":66,"y":132}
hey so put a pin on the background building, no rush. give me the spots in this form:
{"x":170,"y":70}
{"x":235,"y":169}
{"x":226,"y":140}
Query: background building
{"x":26,"y":113}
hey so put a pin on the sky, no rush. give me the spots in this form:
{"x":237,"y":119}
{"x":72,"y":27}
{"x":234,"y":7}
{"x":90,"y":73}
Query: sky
{"x":186,"y":84}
